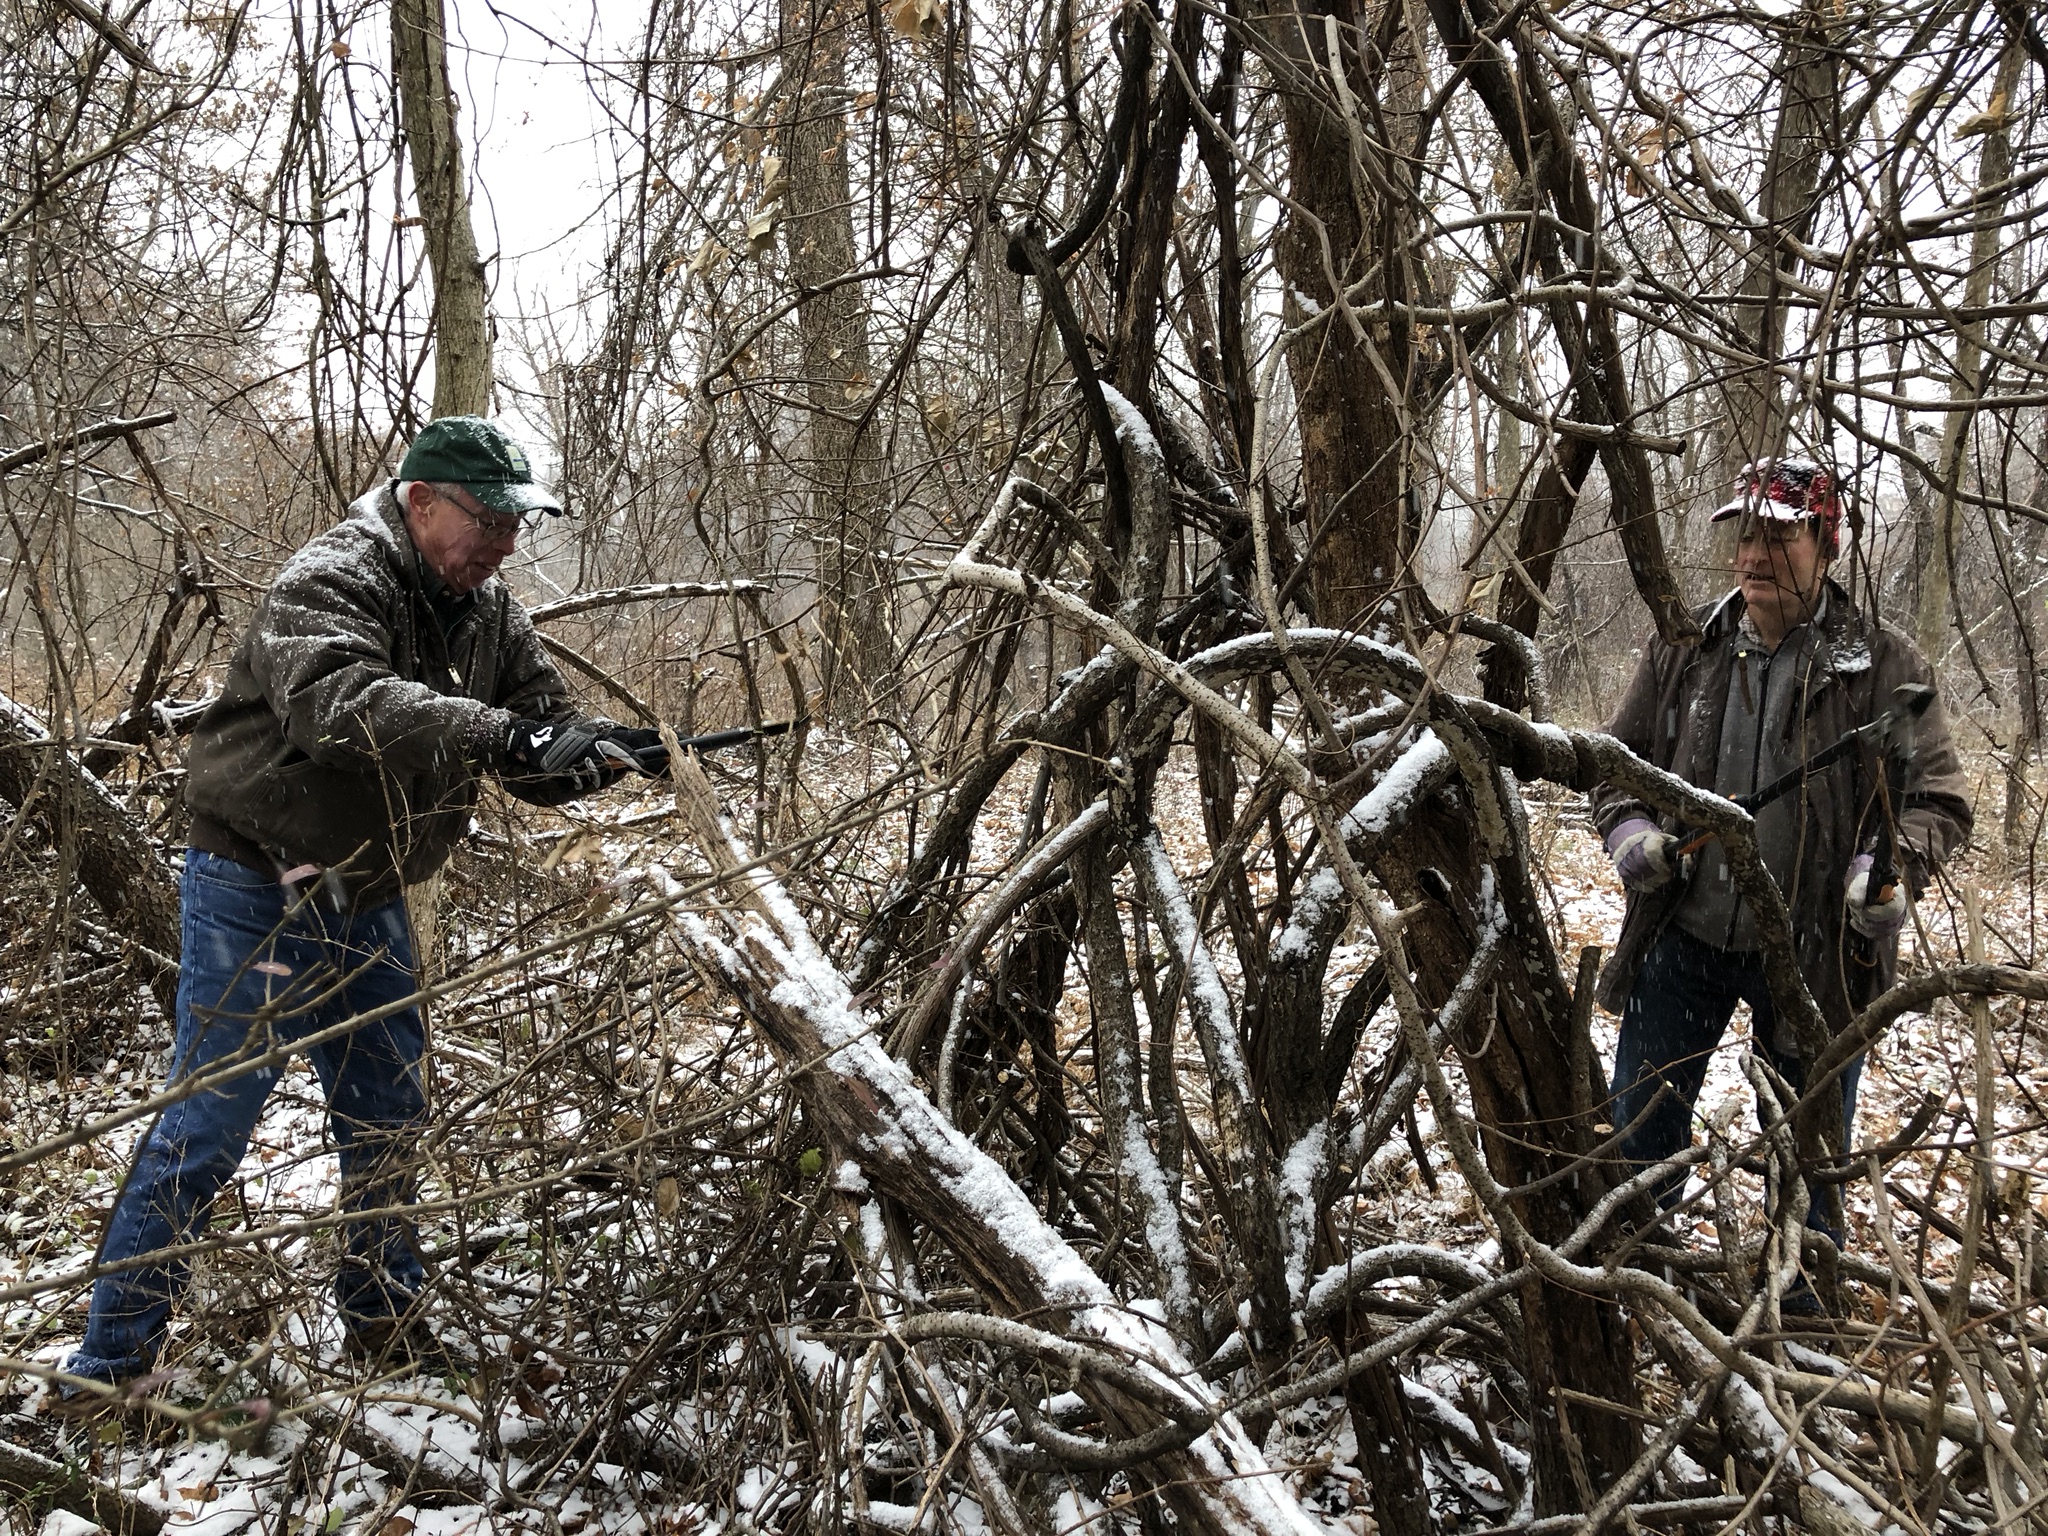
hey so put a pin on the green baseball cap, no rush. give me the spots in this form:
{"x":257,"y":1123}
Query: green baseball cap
{"x":482,"y":459}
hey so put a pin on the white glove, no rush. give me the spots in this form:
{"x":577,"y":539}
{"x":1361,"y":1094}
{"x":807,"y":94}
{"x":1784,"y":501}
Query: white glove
{"x":1644,"y":854}
{"x":1879,"y":920}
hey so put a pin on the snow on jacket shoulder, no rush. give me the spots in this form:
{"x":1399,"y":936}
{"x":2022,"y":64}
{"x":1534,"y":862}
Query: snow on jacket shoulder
{"x":352,"y":729}
{"x":1671,"y":714}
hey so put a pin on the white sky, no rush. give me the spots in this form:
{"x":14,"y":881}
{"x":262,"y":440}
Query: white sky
{"x":541,"y":157}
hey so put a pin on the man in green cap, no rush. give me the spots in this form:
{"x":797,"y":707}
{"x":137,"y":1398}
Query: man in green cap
{"x":384,"y":673}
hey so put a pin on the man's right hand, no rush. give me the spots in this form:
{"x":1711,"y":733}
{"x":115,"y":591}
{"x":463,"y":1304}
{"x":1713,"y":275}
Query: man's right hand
{"x":1645,"y":856}
{"x":642,"y":748}
{"x":583,"y":753}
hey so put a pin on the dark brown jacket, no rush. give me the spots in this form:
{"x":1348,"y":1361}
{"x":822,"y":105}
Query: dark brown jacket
{"x":1671,"y":716}
{"x":352,"y":728}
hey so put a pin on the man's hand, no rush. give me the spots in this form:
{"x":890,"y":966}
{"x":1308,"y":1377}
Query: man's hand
{"x":1877,"y":920}
{"x":641,"y":745}
{"x":1645,"y":856}
{"x":579,"y":752}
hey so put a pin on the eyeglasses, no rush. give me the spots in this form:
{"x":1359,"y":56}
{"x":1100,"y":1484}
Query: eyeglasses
{"x":1772,"y":530}
{"x":492,"y":525}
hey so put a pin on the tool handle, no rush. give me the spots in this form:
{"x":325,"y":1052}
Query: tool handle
{"x":734,"y":737}
{"x":1884,"y":858}
{"x":655,"y":760}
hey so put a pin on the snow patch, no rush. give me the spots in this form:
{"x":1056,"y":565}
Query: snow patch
{"x":1390,"y":801}
{"x":1162,"y":1226}
{"x":1323,"y":888}
{"x":1205,"y":985}
{"x":1132,"y":430}
{"x":1299,"y":1171}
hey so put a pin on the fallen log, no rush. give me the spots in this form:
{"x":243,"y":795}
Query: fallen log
{"x":112,"y":857}
{"x":877,"y":1119}
{"x":45,"y":1483}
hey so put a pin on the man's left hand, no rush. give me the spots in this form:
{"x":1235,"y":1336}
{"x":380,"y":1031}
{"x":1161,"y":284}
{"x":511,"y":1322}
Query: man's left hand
{"x":1873,"y":919}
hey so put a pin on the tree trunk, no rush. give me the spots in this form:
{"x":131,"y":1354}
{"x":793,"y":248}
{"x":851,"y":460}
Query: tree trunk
{"x":1994,"y":167}
{"x":1353,"y":479}
{"x":461,"y":321}
{"x":463,"y":374}
{"x":1529,"y":1068}
{"x":1757,"y":415}
{"x":1534,"y":1116}
{"x":841,"y":464}
{"x":1353,"y":469}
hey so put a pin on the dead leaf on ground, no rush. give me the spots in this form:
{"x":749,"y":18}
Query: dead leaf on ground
{"x":578,"y":846}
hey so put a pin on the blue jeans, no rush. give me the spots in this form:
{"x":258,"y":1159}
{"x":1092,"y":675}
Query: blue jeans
{"x":259,"y":971}
{"x":1683,"y":998}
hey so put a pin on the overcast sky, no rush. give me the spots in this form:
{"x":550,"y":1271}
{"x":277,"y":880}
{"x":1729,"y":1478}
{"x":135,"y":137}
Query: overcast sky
{"x":542,"y":158}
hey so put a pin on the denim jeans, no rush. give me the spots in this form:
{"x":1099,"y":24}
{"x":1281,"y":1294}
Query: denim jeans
{"x":1683,"y":998}
{"x":258,"y":971}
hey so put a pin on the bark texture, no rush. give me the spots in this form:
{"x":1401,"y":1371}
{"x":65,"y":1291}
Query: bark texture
{"x":1758,"y":411}
{"x":1530,"y":1089}
{"x":1353,"y":454}
{"x":114,"y":860}
{"x":841,"y":464}
{"x":463,"y":378}
{"x":1353,"y":472}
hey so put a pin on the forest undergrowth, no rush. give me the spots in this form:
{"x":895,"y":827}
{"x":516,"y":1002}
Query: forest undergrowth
{"x":673,"y":1312}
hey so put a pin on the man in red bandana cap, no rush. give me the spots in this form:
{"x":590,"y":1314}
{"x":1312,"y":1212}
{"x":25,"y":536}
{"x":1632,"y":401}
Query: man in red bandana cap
{"x":1785,"y":668}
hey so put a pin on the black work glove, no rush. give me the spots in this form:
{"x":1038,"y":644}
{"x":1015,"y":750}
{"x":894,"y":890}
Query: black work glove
{"x":642,"y":745}
{"x":577,"y":753}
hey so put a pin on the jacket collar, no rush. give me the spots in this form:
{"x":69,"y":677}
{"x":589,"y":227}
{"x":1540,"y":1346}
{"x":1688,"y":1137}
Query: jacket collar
{"x":1844,"y":634}
{"x":379,"y":514}
{"x":1839,"y":623}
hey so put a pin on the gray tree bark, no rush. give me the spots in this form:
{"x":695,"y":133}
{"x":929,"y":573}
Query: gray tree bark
{"x":463,"y":377}
{"x":1994,"y":168}
{"x":842,"y":465}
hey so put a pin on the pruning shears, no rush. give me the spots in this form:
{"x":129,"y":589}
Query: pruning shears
{"x":1895,"y":728}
